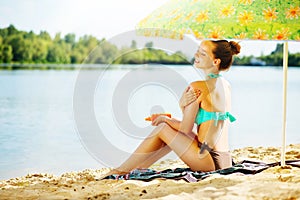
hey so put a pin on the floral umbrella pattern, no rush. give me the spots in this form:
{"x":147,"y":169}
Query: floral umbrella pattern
{"x":218,"y":19}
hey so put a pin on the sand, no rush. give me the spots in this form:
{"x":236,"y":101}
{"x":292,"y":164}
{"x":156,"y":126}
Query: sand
{"x":273,"y":183}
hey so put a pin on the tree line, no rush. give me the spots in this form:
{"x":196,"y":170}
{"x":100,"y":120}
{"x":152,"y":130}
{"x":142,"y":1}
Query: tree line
{"x":273,"y":59}
{"x":18,"y":46}
{"x":27,"y":47}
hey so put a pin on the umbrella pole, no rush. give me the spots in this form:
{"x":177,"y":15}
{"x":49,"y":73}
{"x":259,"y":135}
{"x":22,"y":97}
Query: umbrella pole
{"x":285,"y":69}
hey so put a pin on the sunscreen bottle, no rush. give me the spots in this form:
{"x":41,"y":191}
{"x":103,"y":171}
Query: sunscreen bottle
{"x":154,"y":116}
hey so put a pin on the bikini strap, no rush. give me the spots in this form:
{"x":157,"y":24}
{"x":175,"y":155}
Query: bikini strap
{"x":204,"y":146}
{"x":212,"y":75}
{"x":223,"y":116}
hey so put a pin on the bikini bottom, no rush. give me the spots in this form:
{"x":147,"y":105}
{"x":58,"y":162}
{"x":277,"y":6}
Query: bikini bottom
{"x":221,"y":159}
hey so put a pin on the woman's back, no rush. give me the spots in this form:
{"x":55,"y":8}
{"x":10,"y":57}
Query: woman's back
{"x":215,"y":97}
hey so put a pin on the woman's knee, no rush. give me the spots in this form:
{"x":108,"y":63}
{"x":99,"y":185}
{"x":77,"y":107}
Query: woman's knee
{"x":166,"y":131}
{"x":159,"y":129}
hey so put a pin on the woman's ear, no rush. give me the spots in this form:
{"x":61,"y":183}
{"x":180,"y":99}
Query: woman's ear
{"x":217,"y":62}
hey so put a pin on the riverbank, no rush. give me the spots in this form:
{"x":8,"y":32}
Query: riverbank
{"x":273,"y":183}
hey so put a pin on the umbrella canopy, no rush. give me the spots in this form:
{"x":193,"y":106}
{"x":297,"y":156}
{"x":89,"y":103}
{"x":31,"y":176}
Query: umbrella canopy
{"x":229,"y":19}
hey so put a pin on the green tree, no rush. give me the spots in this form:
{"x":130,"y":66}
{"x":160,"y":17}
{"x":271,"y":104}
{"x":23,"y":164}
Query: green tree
{"x":131,"y":57}
{"x":89,"y":42}
{"x":6,"y":53}
{"x":22,"y":49}
{"x":104,"y":53}
{"x":278,"y":50}
{"x":1,"y":46}
{"x":83,"y":48}
{"x":11,"y":30}
{"x":40,"y":50}
{"x":44,"y":35}
{"x":4,"y":32}
{"x":30,"y":35}
{"x":294,"y":59}
{"x":70,"y":38}
{"x":57,"y":54}
{"x":57,"y":38}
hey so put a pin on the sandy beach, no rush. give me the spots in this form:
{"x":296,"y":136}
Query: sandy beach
{"x":273,"y":183}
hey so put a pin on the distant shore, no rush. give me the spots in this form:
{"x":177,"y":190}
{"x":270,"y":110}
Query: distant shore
{"x":42,"y":66}
{"x":18,"y":46}
{"x":273,"y":183}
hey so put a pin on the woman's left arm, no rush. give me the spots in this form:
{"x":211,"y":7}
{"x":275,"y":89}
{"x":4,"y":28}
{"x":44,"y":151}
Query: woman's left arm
{"x":172,"y":122}
{"x":187,"y":123}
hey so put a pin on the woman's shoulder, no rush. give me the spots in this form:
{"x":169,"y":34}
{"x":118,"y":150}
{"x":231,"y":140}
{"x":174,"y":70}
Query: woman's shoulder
{"x":198,"y":84}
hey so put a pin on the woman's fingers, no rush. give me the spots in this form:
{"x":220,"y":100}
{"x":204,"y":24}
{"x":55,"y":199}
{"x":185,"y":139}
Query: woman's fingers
{"x":193,"y":94}
{"x":190,"y":95}
{"x":158,"y":120}
{"x":155,"y":121}
{"x":187,"y":89}
{"x":197,"y":92}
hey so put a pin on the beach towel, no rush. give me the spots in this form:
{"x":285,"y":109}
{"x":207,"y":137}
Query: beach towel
{"x":244,"y":167}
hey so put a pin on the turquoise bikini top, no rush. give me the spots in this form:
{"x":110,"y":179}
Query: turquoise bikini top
{"x":203,"y":115}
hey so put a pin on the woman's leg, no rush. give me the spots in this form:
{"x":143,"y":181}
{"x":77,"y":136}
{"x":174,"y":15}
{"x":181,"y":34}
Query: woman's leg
{"x":186,"y":147}
{"x":156,"y":156}
{"x":161,"y":153}
{"x":159,"y":143}
{"x":147,"y":153}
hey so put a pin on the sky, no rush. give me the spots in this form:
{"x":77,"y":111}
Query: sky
{"x":100,"y":18}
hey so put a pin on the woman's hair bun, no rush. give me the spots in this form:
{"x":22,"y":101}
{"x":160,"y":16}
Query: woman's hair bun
{"x":235,"y":47}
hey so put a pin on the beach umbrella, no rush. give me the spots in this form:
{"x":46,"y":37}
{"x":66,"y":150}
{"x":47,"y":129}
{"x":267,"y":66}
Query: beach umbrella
{"x":229,"y":19}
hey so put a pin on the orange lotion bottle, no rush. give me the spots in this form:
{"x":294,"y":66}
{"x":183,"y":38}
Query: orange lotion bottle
{"x":154,"y":116}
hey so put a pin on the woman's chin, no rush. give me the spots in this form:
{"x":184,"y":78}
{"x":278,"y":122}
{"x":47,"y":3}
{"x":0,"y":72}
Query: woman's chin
{"x":197,"y":65}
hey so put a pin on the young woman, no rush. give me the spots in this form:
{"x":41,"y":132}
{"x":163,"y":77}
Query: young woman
{"x":208,"y":149}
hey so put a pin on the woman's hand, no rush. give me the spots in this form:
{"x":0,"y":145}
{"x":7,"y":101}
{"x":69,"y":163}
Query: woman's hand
{"x":189,"y":95}
{"x":160,"y":119}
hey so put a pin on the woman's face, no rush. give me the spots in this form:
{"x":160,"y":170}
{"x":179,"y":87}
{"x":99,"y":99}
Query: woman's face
{"x":204,"y":57}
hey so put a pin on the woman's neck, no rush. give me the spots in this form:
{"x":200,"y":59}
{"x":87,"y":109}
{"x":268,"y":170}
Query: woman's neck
{"x":211,"y":73}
